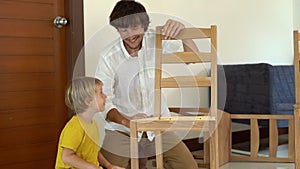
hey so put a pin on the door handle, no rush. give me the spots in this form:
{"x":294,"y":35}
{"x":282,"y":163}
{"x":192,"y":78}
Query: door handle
{"x":60,"y":22}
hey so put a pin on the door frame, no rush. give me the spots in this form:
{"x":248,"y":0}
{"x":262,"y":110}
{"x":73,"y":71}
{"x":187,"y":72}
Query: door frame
{"x":74,"y":40}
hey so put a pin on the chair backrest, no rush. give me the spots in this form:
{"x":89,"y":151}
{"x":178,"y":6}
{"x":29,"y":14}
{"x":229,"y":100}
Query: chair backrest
{"x":296,"y":65}
{"x":187,"y":57}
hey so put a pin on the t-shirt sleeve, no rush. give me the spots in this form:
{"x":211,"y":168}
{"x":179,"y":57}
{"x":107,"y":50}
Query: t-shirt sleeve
{"x":72,"y":136}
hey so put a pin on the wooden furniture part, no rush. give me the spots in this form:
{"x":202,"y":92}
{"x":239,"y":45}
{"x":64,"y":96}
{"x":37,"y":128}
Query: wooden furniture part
{"x":206,"y":123}
{"x":255,"y":141}
{"x":293,"y":126}
{"x":296,"y":65}
{"x":297,"y":95}
{"x":224,"y":135}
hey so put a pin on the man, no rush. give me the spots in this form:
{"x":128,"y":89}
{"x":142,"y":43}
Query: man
{"x":127,"y":71}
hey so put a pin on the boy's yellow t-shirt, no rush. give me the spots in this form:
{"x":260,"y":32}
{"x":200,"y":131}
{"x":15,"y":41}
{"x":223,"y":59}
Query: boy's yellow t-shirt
{"x":83,"y":138}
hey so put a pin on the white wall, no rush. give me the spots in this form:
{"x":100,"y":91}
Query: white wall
{"x":297,"y":15}
{"x":249,"y":31}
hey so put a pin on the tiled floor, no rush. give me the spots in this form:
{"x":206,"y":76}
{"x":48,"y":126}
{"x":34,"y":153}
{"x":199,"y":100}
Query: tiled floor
{"x":252,"y":165}
{"x":282,"y":152}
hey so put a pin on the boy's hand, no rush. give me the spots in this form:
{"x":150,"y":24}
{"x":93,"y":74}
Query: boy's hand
{"x":114,"y":167}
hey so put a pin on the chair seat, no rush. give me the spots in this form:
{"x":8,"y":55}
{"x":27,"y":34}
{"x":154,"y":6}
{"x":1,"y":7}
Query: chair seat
{"x":199,"y":123}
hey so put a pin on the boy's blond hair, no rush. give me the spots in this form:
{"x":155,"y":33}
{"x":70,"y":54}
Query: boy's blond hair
{"x":80,"y":91}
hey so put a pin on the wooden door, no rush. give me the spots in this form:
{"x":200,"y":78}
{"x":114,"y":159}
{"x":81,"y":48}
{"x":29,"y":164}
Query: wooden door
{"x":33,"y":77}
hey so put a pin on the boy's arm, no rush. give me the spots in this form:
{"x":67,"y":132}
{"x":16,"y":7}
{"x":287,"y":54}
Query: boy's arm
{"x":105,"y":163}
{"x":102,"y":160}
{"x":69,"y":157}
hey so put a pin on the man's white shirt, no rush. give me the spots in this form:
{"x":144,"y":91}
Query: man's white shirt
{"x":128,"y":81}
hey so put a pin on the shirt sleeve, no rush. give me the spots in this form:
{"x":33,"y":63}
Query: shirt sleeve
{"x":72,"y":136}
{"x":104,"y":72}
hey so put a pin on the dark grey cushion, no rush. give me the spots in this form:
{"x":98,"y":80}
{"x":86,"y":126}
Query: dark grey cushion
{"x":258,"y":89}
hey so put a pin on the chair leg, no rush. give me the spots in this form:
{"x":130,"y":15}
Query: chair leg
{"x":213,"y":151}
{"x":224,"y":137}
{"x":134,"y":152}
{"x":206,"y":150}
{"x":159,"y":152}
{"x":297,"y":137}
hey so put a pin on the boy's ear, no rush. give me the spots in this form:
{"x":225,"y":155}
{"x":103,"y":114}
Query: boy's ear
{"x":88,"y":101}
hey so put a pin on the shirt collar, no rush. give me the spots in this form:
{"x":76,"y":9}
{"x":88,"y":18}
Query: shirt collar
{"x":127,"y":55}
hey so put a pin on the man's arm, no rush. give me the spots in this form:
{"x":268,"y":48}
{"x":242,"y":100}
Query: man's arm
{"x":189,"y":45}
{"x":115,"y":116}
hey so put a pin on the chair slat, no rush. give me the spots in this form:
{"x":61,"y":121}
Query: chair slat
{"x":194,"y":33}
{"x":198,"y":123}
{"x":273,"y":135}
{"x":261,"y":116}
{"x":185,"y":81}
{"x":254,"y":138}
{"x":191,"y":33}
{"x":186,"y":57}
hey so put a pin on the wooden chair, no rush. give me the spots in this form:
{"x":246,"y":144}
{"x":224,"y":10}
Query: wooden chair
{"x":293,"y":126}
{"x":297,"y":95}
{"x":206,"y":123}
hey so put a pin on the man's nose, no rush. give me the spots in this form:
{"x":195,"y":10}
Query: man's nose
{"x":131,"y":32}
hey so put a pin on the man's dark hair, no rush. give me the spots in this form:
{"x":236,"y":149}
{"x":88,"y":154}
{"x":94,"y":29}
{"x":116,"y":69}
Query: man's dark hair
{"x":129,"y":13}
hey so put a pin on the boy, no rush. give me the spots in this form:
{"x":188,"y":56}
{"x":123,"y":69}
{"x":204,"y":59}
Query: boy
{"x":78,"y":142}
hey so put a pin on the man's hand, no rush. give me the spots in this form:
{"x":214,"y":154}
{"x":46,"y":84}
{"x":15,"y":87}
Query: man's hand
{"x":171,"y":29}
{"x":139,"y":116}
{"x":126,"y":119}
